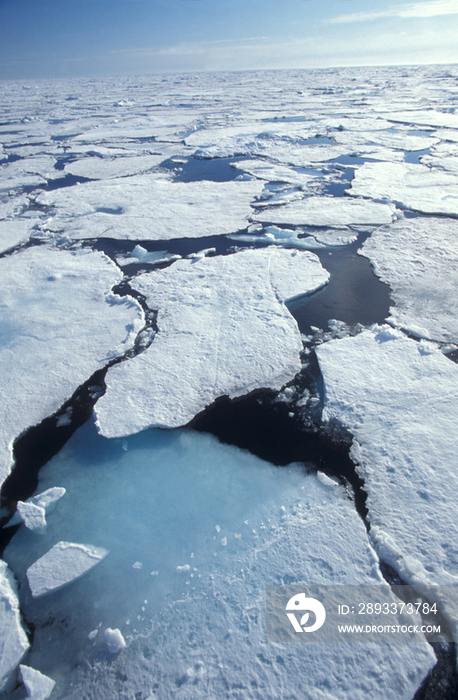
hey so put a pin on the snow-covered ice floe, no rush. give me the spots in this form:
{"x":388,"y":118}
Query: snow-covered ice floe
{"x":38,"y":686}
{"x":399,"y":398}
{"x":13,"y":639}
{"x":150,"y":207}
{"x":418,"y":258}
{"x":207,"y":526}
{"x":65,"y":562}
{"x":327,"y":211}
{"x":14,"y":231}
{"x":410,"y":186}
{"x":289,"y":238}
{"x":60,"y":322}
{"x":223,"y":329}
{"x":106,"y":168}
{"x":33,"y":511}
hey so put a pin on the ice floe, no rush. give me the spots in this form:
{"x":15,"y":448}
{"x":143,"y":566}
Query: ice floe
{"x":273,"y":172}
{"x":150,"y":207}
{"x":212,"y":525}
{"x":410,"y":186}
{"x":38,"y":686}
{"x":223,"y":329}
{"x":285,"y":237}
{"x":60,"y":322}
{"x":418,"y":258}
{"x":105,"y":168}
{"x":399,"y":398}
{"x":65,"y":562}
{"x":14,"y":231}
{"x":13,"y":640}
{"x":33,"y":511}
{"x":327,"y":211}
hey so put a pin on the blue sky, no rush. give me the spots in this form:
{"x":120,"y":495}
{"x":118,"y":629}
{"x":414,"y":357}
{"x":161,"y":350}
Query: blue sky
{"x":62,"y":38}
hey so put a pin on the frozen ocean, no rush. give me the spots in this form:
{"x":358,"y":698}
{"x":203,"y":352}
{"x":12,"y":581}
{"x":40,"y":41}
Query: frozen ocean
{"x":228,"y":346}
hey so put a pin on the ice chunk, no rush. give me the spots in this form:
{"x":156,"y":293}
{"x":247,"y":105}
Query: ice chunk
{"x":65,"y":562}
{"x":13,"y":640}
{"x":175,"y":486}
{"x":143,"y":207}
{"x":105,"y":168}
{"x":115,"y":641}
{"x":411,"y":186}
{"x":32,"y":516}
{"x":223,"y":330}
{"x":327,"y":211}
{"x":33,"y":511}
{"x":59,"y":323}
{"x":140,"y":254}
{"x":418,"y":258}
{"x":38,"y":686}
{"x":401,"y":404}
{"x":285,"y":237}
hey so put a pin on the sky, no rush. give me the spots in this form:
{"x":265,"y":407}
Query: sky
{"x":65,"y":38}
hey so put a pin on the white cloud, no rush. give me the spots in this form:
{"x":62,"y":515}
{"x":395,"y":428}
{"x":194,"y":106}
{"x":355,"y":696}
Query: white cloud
{"x":434,"y":8}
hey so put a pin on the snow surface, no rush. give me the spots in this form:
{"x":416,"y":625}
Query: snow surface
{"x":410,"y":186}
{"x":327,"y":211}
{"x":273,"y":172}
{"x":150,"y":207}
{"x":59,"y":323}
{"x":13,"y":640}
{"x":418,"y":258}
{"x":223,"y":329}
{"x":212,"y":526}
{"x":38,"y":686}
{"x":13,"y":232}
{"x":399,"y":398}
{"x":65,"y":562}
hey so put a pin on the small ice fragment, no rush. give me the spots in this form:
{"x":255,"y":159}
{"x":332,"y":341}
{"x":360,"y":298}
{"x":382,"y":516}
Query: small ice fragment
{"x":137,"y":565}
{"x":62,"y":564}
{"x":32,"y":516}
{"x":92,"y":635}
{"x":217,"y":528}
{"x":155,"y":573}
{"x":139,"y":252}
{"x":181,"y":569}
{"x":224,"y":541}
{"x":115,"y":640}
{"x":38,"y":686}
{"x":325,"y":479}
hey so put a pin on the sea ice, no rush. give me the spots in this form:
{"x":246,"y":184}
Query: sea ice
{"x":65,"y":562}
{"x":33,"y":511}
{"x":285,"y":237}
{"x":14,"y":231}
{"x":149,"y":207}
{"x":13,"y":640}
{"x":327,"y":211}
{"x":140,"y":254}
{"x":60,"y":322}
{"x":410,"y":186}
{"x":399,"y":398}
{"x":38,"y":686}
{"x":419,"y":260}
{"x":426,"y":118}
{"x":105,"y":168}
{"x":273,"y":172}
{"x":223,"y":329}
{"x":115,"y":641}
{"x":203,"y":630}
